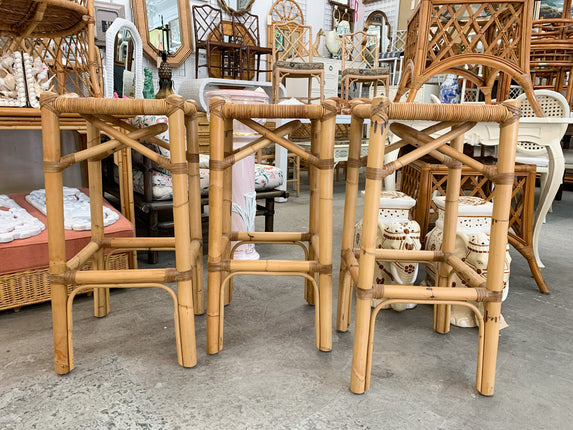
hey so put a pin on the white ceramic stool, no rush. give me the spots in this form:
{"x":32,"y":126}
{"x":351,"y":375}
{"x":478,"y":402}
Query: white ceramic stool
{"x":395,"y":231}
{"x":472,"y":246}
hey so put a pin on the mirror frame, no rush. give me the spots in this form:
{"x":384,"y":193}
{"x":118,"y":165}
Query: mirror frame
{"x":140,"y":19}
{"x":367,"y":23}
{"x":230,"y":11}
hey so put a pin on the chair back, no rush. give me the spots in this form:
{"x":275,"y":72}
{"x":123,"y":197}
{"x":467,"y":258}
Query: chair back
{"x":292,"y":42}
{"x":553,"y":105}
{"x":207,"y":23}
{"x":359,"y":50}
{"x":246,"y":29}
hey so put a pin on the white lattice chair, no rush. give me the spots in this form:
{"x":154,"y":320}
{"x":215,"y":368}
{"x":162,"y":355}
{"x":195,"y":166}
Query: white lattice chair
{"x":554,"y":105}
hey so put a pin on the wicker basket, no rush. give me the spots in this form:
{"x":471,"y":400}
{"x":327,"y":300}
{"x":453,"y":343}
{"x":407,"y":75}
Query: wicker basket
{"x":32,"y":286}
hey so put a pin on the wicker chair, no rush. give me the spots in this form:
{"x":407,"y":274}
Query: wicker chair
{"x":359,"y":63}
{"x":292,"y":58}
{"x":478,"y":40}
{"x":357,"y":265}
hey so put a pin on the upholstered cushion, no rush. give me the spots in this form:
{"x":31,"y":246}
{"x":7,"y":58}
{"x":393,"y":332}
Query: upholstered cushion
{"x":393,"y":54}
{"x":298,"y":65}
{"x":367,"y":72}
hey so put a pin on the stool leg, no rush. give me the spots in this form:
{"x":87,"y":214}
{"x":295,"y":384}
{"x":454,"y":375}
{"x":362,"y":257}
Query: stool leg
{"x":314,"y":220}
{"x":442,"y":312}
{"x":100,"y":295}
{"x":360,"y":371}
{"x":63,"y":351}
{"x":325,"y":229}
{"x":181,"y":226}
{"x":350,"y":198}
{"x":497,"y":249}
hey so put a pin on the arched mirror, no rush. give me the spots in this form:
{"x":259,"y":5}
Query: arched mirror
{"x":236,"y":7}
{"x":377,"y":23}
{"x":123,"y":62}
{"x":164,"y":25}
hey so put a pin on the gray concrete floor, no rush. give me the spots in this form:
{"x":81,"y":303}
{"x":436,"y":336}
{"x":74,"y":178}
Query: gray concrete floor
{"x":269,"y":374}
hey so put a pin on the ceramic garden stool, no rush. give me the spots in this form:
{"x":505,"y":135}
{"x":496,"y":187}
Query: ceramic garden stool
{"x":472,"y":246}
{"x":395,"y":231}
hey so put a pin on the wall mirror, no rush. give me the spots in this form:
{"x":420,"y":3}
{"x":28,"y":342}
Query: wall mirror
{"x":236,"y":7}
{"x":123,"y":60}
{"x":377,"y":23}
{"x":164,"y":25}
{"x":342,"y":16}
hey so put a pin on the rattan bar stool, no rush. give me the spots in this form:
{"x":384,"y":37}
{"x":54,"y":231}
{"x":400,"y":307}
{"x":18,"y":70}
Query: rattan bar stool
{"x":316,"y":242}
{"x":357,"y":265}
{"x":187,"y":241}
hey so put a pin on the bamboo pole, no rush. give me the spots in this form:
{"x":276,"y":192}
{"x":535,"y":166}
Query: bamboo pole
{"x":181,"y":226}
{"x":196,"y":227}
{"x":215,"y":250}
{"x":497,"y":248}
{"x":442,"y":312}
{"x":63,"y":354}
{"x":83,"y":256}
{"x":227,"y":204}
{"x":100,"y":295}
{"x":343,"y":309}
{"x":274,"y":266}
{"x":269,"y":236}
{"x":378,"y":128}
{"x":313,"y":215}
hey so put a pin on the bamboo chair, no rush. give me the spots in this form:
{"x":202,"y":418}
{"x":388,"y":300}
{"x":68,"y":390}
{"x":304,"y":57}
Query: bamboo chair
{"x":357,"y":265}
{"x":246,"y":32}
{"x":318,"y":249}
{"x":359,"y":63}
{"x":100,"y":114}
{"x":292,"y":58}
{"x":478,"y":40}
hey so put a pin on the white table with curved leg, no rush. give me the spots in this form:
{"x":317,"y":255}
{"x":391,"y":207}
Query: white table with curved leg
{"x":546,"y":132}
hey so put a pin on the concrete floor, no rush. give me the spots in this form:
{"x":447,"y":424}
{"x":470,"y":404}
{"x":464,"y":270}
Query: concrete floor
{"x":269,"y":374}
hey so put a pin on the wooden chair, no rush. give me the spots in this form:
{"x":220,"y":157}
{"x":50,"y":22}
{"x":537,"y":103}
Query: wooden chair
{"x":552,"y":56}
{"x":246,"y":32}
{"x":478,"y":40}
{"x":359,"y":63}
{"x":100,"y":115}
{"x":223,"y":56}
{"x":357,"y":265}
{"x":292,"y":58}
{"x":317,"y":264}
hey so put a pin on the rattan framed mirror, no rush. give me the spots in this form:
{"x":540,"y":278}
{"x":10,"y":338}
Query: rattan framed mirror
{"x":164,"y":24}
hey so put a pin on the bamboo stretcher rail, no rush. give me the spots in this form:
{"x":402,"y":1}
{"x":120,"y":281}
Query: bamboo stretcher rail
{"x":260,"y":143}
{"x":132,"y":143}
{"x":103,"y":150}
{"x":273,"y":266}
{"x":463,"y":271}
{"x":137,"y":242}
{"x":269,"y":236}
{"x":101,"y":106}
{"x":83,"y":256}
{"x":292,"y":147}
{"x":414,"y":292}
{"x":121,"y":276}
{"x":118,"y":122}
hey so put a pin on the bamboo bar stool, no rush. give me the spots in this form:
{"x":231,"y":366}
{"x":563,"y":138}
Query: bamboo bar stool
{"x":477,"y":40}
{"x":316,"y":242}
{"x":357,"y":265}
{"x":100,"y":115}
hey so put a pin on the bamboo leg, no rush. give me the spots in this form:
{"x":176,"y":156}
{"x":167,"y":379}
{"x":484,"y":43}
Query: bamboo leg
{"x":216,"y":180}
{"x":350,"y":198}
{"x":325,"y":228}
{"x":442,"y":312}
{"x":368,"y":244}
{"x":63,"y":352}
{"x":497,"y":249}
{"x":181,"y":226}
{"x":227,"y":204}
{"x":195,"y":211}
{"x":315,"y":127}
{"x":100,"y":295}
